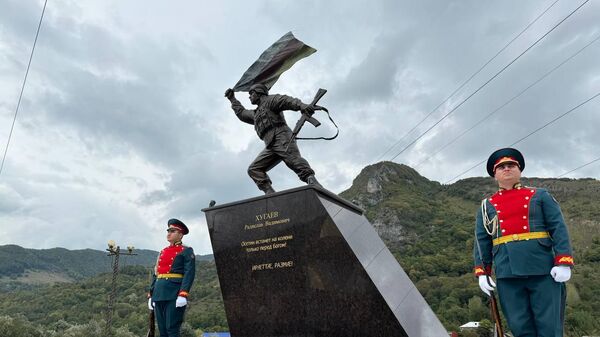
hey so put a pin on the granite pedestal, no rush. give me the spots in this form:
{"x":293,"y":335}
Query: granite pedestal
{"x":305,"y":262}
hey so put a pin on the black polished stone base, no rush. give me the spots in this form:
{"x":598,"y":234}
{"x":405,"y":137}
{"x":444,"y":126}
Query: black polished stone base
{"x":304,"y":262}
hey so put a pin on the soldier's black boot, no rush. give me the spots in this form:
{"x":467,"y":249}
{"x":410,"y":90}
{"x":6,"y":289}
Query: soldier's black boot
{"x":311,"y":180}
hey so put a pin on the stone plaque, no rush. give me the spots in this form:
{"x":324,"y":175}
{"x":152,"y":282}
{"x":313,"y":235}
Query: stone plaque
{"x":304,"y":262}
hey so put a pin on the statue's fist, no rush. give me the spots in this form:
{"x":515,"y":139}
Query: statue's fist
{"x":229,"y":93}
{"x":307,"y":109}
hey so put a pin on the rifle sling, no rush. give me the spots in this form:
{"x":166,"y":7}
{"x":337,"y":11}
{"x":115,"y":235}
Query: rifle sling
{"x":337,"y":132}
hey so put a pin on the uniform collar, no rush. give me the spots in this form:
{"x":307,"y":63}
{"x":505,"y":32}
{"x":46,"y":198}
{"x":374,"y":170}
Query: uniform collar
{"x":178,"y":243}
{"x":515,"y":186}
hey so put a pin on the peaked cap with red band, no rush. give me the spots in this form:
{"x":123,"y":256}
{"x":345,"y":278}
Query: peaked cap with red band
{"x":179,"y":225}
{"x":503,"y":156}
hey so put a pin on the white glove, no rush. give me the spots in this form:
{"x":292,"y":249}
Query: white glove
{"x":561,"y":273}
{"x":180,"y":302}
{"x":150,"y":304}
{"x":485,"y":286}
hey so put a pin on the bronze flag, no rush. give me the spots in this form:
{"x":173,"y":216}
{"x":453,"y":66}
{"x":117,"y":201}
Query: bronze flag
{"x":279,"y":57}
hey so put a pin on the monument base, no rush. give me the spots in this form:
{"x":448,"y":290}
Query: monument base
{"x":305,"y":262}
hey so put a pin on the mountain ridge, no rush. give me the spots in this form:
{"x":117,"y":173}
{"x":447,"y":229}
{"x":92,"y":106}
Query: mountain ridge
{"x":25,"y":267}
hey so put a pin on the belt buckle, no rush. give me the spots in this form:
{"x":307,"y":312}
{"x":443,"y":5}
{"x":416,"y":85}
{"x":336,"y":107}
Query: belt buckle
{"x":515,"y":237}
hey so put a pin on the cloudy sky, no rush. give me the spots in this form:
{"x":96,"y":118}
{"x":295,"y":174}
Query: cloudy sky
{"x":123,"y":123}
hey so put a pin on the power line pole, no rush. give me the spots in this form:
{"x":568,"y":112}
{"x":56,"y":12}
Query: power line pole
{"x":114,"y":250}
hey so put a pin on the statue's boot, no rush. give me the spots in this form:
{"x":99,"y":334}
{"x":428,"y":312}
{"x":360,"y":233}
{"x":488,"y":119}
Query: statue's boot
{"x":268,"y":189}
{"x":311,"y":180}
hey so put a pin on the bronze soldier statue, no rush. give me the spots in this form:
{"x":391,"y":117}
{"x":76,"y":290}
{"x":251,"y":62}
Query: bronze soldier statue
{"x":270,"y":125}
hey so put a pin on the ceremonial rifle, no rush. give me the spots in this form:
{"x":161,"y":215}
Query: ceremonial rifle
{"x":151,"y":324}
{"x":151,"y":317}
{"x":306,"y":118}
{"x":496,"y":315}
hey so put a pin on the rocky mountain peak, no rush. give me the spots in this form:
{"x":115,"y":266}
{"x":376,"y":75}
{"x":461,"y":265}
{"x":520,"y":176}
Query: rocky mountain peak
{"x":379,"y":180}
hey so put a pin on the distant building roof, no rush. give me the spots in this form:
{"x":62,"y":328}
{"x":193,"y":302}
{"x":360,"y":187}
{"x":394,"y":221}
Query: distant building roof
{"x":470,"y":325}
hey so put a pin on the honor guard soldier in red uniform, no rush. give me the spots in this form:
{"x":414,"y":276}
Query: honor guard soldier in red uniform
{"x":521,"y":232}
{"x":173,"y":277}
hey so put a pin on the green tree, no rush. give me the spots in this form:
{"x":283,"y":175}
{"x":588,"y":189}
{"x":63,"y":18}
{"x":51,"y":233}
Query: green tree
{"x":477,"y":310}
{"x":18,"y":327}
{"x":485,"y":329}
{"x":187,"y":331}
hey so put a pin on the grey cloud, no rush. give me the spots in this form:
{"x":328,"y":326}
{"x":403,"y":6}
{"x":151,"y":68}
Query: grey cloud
{"x":140,"y":112}
{"x":154,"y":198}
{"x":20,"y":18}
{"x":10,"y":200}
{"x":374,"y":78}
{"x":215,"y":175}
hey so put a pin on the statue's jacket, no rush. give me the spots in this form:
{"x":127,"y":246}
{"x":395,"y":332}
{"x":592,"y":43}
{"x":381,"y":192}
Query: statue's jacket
{"x":268,"y":120}
{"x":523,"y":213}
{"x":174,"y":273}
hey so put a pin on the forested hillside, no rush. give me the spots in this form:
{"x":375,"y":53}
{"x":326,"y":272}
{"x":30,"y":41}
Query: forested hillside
{"x":22,"y":268}
{"x":84,"y":304}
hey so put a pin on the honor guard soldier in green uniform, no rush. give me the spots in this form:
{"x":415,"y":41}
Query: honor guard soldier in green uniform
{"x":173,"y":277}
{"x":270,"y":126}
{"x":521,"y":232}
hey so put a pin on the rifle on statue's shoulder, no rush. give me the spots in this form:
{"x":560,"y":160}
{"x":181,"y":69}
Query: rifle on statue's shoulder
{"x":307,"y":117}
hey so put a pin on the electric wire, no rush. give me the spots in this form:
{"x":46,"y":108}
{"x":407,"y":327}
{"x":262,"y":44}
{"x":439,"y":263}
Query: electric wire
{"x":530,"y":134}
{"x":467,"y":80}
{"x":509,"y":101}
{"x":23,"y":87}
{"x":579,"y":167}
{"x":488,"y":81}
